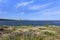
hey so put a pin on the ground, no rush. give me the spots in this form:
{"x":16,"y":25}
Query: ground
{"x":30,"y":33}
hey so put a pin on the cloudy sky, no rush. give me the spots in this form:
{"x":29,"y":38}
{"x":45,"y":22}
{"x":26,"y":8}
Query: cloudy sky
{"x":30,"y":9}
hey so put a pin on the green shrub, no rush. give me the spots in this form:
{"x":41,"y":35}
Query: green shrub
{"x":48,"y":32}
{"x":47,"y":25}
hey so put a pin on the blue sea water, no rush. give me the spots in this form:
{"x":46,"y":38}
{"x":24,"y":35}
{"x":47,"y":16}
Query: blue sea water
{"x":36,"y":23}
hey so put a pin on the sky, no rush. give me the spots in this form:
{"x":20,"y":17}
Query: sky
{"x":30,"y":9}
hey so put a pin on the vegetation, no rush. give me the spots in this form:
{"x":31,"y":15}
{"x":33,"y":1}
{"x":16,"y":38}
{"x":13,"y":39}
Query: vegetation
{"x":30,"y":33}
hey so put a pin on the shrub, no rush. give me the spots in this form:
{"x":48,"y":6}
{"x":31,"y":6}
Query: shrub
{"x":48,"y":32}
{"x":47,"y":25}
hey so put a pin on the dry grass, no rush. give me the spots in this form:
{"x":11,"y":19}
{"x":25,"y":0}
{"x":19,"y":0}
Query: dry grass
{"x":32,"y":33}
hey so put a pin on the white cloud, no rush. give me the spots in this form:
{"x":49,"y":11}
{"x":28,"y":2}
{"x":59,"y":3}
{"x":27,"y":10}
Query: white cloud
{"x":24,"y":4}
{"x":51,"y":11}
{"x":37,"y":7}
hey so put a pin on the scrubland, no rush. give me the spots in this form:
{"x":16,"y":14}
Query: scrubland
{"x":30,"y":32}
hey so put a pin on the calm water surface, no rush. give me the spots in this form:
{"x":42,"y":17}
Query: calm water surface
{"x":36,"y":23}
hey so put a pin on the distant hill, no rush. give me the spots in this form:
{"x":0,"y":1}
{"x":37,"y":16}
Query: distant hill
{"x":26,"y":20}
{"x":7,"y":20}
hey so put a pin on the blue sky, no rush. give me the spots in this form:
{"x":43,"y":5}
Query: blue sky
{"x":30,"y":9}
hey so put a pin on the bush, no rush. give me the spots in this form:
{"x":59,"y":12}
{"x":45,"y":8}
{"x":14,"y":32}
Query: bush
{"x":48,"y":32}
{"x":47,"y":25}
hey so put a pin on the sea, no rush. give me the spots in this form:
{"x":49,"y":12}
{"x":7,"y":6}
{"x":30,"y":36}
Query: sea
{"x":26,"y":23}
